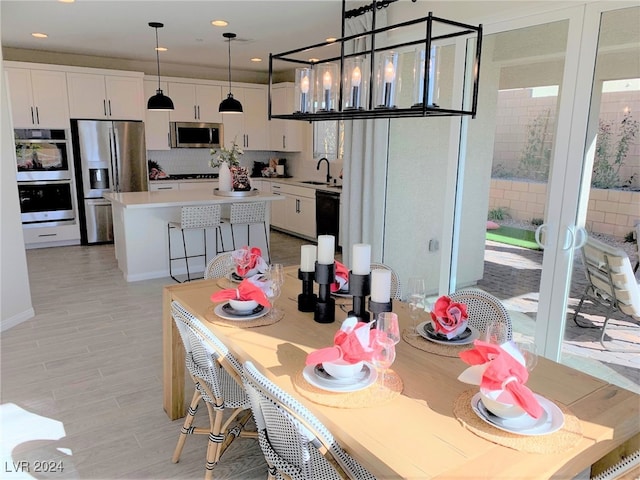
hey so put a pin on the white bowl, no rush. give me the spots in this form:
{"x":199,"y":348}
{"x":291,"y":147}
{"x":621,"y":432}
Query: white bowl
{"x":243,"y":306}
{"x":342,"y":369}
{"x":495,"y":406}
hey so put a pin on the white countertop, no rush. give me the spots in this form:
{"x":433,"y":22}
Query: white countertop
{"x":172,"y":198}
{"x":289,"y":180}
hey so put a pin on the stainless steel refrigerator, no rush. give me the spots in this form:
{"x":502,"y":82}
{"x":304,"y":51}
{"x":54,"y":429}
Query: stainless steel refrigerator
{"x":110,"y":156}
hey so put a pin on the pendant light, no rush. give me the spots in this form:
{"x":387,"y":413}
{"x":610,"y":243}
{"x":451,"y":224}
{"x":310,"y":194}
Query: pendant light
{"x":230,"y":104}
{"x":159,"y":102}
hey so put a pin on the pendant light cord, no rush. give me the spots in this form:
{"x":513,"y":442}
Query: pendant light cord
{"x":158,"y":58}
{"x":229,"y":65}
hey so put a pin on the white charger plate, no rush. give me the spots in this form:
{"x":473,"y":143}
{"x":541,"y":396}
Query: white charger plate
{"x":365,"y":378}
{"x":465,"y":341}
{"x":227,"y":314}
{"x":550,"y":421}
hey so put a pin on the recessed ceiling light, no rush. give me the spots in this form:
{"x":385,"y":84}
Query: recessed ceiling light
{"x":162,"y":49}
{"x":39,"y":35}
{"x":66,"y":1}
{"x":219,"y":23}
{"x":256,"y":59}
{"x":331,"y":39}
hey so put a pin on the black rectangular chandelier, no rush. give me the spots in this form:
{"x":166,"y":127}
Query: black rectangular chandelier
{"x":364,"y":80}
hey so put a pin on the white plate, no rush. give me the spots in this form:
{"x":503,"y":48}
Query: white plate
{"x":465,"y":341}
{"x":550,"y":421}
{"x":361,"y":381}
{"x":227,"y":314}
{"x":342,"y":294}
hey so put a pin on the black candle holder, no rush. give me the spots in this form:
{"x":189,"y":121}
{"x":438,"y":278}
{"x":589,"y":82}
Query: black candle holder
{"x":359,"y":288}
{"x":325,"y":308}
{"x":377,"y":308}
{"x":307,"y":299}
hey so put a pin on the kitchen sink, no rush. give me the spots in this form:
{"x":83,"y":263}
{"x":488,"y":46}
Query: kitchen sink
{"x":313,"y":182}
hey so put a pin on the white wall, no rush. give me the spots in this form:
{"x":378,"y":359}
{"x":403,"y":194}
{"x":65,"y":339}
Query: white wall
{"x":15,"y":294}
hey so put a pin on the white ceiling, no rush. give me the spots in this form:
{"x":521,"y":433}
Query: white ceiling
{"x":120,"y":29}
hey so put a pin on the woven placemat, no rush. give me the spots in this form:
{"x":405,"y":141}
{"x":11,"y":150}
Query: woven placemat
{"x":432,"y":347}
{"x":369,"y":397}
{"x":256,"y":322}
{"x":560,"y":441}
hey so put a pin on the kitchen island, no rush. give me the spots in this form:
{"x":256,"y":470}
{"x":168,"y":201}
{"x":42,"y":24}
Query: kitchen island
{"x":140,"y":229}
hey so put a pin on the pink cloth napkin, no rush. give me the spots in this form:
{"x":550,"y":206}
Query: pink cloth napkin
{"x":342,"y":277}
{"x":246,"y":290}
{"x":249,"y":261}
{"x":352,"y":343}
{"x":449,"y":318}
{"x":503,"y":372}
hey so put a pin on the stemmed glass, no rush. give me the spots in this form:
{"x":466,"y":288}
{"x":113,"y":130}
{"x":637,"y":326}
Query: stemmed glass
{"x":417,"y":293}
{"x":528,"y":350}
{"x":387,"y":322}
{"x":495,"y":332}
{"x":384,"y":354}
{"x":275,"y":276}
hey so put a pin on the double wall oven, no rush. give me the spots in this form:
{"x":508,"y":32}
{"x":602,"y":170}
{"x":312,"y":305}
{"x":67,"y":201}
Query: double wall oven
{"x":45,"y":177}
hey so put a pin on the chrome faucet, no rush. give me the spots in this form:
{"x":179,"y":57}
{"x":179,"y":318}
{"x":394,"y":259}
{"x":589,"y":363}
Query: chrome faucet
{"x":328,"y":167}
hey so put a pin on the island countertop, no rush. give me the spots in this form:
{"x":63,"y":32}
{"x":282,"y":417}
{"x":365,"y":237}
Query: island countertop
{"x":173,"y":198}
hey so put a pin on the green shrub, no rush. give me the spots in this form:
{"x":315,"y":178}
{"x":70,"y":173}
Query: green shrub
{"x":536,"y":222}
{"x":499,"y":213}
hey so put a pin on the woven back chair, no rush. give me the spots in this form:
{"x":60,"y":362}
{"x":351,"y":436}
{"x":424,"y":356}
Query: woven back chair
{"x":249,"y":213}
{"x":396,"y":288}
{"x":295,"y":443}
{"x":217,"y":377}
{"x":483,"y":308}
{"x":192,"y":218}
{"x":610,"y":283}
{"x":219,"y":266}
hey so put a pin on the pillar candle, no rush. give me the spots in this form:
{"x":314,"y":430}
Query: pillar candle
{"x":361,"y":259}
{"x":326,"y":249}
{"x":381,"y":286}
{"x":308,"y":258}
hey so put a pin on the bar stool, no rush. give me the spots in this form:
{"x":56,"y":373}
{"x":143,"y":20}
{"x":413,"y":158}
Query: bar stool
{"x":249,"y":213}
{"x":193,"y":218}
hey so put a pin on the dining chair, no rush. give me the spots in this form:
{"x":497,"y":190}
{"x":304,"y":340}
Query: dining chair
{"x":484,"y":309}
{"x":195,"y":218}
{"x":611,"y":284}
{"x":216,"y":374}
{"x":295,"y":443}
{"x":396,"y":288}
{"x":219,"y":266}
{"x":249,"y":213}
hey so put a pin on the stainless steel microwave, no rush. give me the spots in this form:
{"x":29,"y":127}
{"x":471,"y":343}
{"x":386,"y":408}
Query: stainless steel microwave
{"x":195,"y":135}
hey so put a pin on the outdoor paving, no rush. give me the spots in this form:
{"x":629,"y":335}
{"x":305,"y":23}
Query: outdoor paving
{"x":513,"y":275}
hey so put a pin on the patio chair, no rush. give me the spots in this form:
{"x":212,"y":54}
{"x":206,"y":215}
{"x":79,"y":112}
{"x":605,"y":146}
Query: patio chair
{"x":217,"y":377}
{"x":295,"y":443}
{"x":610,"y":284}
{"x":483,"y":308}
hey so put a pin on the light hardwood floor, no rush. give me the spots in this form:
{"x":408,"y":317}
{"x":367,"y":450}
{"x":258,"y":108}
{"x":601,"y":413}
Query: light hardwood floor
{"x":88,"y":368}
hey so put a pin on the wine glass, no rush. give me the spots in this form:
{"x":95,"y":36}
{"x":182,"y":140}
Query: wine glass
{"x":495,"y":332}
{"x":387,"y":322}
{"x":275,"y":275}
{"x":384,"y":354}
{"x":417,"y":293}
{"x":528,"y":350}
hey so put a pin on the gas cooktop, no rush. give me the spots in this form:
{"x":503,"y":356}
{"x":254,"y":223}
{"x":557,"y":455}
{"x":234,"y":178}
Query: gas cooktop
{"x":190,"y":176}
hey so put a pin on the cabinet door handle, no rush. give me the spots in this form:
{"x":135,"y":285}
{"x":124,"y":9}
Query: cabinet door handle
{"x":104,"y":107}
{"x":37,"y":116}
{"x":168,"y":139}
{"x":195,"y":112}
{"x":33,"y":118}
{"x":297,"y":205}
{"x":198,"y":112}
{"x":165,"y":188}
{"x":47,"y":235}
{"x":109,"y":107}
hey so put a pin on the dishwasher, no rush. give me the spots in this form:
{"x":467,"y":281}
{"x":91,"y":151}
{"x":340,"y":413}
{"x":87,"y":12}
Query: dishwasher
{"x":328,"y":214}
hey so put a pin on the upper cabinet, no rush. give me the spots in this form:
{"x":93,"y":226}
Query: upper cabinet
{"x":114,"y":97}
{"x":194,"y":102}
{"x":285,"y":135}
{"x":156,"y":123}
{"x":249,"y":129}
{"x":38,"y":98}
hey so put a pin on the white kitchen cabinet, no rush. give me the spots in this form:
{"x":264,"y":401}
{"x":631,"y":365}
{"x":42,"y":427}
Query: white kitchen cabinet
{"x":40,"y":237}
{"x":206,"y":186}
{"x":156,"y":123}
{"x":297,"y":212}
{"x":285,"y":135}
{"x":249,"y":129}
{"x":194,"y":102}
{"x":163,"y":185}
{"x":38,"y":98}
{"x":114,"y":97}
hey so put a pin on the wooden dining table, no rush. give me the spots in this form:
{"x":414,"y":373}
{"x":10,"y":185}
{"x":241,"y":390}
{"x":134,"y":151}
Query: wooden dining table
{"x":416,"y":435}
